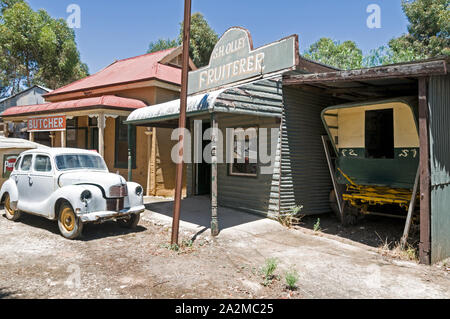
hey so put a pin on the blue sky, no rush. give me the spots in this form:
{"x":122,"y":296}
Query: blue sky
{"x":113,"y":30}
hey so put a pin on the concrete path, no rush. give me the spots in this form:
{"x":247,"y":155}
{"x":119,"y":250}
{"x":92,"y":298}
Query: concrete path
{"x":329,"y":266}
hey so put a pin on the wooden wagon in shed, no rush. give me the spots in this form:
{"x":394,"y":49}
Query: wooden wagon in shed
{"x":374,"y":157}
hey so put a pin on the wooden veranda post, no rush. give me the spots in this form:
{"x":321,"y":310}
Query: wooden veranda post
{"x":131,"y":147}
{"x":182,"y":120}
{"x":214,"y":206}
{"x":425,"y":244}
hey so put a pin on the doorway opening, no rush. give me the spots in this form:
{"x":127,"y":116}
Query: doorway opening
{"x":380,"y":134}
{"x":203,"y":170}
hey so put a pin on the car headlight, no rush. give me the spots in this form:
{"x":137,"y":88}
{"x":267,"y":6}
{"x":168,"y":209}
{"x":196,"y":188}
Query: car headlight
{"x":139,"y":190}
{"x":86,"y":195}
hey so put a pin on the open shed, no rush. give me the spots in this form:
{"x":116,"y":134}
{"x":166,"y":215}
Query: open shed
{"x":428,"y":82}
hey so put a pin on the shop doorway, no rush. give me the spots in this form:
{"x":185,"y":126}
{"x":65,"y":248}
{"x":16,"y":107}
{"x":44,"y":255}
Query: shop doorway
{"x":203,"y":170}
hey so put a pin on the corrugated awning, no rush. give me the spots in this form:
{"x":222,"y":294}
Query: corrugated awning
{"x":107,"y":101}
{"x":17,"y":143}
{"x":262,"y":98}
{"x":201,"y":103}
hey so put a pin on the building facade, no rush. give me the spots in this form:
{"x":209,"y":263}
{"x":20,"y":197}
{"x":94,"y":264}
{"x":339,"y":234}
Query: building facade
{"x":90,"y":114}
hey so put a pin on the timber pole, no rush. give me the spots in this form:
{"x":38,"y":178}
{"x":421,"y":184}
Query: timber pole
{"x":182,"y":120}
{"x":425,"y":185}
{"x":214,"y":176}
{"x":131,"y":147}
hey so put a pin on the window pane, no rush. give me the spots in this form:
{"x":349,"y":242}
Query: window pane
{"x":26,"y":163}
{"x":76,"y":161}
{"x":16,"y":167}
{"x":42,"y":164}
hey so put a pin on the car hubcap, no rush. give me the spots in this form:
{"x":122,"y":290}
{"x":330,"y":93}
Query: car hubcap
{"x":68,"y":219}
{"x":8,"y":206}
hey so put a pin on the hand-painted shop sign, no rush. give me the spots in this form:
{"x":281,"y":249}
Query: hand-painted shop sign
{"x":233,"y":59}
{"x":47,"y":124}
{"x":8,"y":164}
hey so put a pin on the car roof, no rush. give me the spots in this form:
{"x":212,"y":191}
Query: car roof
{"x":60,"y":151}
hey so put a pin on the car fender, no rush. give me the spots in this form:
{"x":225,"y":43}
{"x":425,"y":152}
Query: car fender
{"x":72,"y":194}
{"x":133,"y":199}
{"x":10,"y":187}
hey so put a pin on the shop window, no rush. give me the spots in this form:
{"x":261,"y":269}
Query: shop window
{"x":245,"y":153}
{"x":43,"y":138}
{"x":380,"y":134}
{"x":121,"y":144}
{"x":76,"y":136}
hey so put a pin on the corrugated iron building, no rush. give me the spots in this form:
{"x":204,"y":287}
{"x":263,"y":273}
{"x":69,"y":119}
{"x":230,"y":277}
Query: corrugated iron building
{"x":428,"y":82}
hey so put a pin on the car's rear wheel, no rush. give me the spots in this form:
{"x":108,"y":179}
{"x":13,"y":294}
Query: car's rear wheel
{"x":130,"y":222}
{"x":70,"y":226}
{"x":10,"y":213}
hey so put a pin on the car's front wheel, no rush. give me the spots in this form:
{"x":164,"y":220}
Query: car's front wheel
{"x":70,"y":226}
{"x":10,"y":213}
{"x":130,"y":222}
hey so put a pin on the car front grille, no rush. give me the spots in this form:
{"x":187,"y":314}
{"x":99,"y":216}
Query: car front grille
{"x":118,"y":191}
{"x":115,"y":205}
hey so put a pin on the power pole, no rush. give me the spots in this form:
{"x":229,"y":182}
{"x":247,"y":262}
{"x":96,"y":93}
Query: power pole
{"x":182,"y":121}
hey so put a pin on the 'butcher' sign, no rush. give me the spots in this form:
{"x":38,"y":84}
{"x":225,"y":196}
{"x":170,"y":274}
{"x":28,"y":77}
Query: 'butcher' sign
{"x":233,"y":59}
{"x":47,"y":124}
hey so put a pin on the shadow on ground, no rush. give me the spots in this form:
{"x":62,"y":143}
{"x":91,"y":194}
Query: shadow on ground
{"x":90,"y":231}
{"x":373,"y":231}
{"x":5,"y":293}
{"x":197,"y":210}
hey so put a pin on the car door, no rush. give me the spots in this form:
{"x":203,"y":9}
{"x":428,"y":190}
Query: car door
{"x":23,"y":183}
{"x":42,"y":183}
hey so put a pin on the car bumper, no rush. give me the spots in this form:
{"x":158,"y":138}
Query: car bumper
{"x":108,"y":215}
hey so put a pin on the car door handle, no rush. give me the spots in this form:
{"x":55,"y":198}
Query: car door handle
{"x":30,"y":180}
{"x":16,"y":179}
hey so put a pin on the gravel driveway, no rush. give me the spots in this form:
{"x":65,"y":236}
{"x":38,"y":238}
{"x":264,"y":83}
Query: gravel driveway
{"x":110,"y":262}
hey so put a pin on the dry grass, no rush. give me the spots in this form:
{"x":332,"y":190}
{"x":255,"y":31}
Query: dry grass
{"x":291,"y":218}
{"x":395,"y":250}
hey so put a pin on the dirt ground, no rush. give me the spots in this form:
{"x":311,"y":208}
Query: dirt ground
{"x":111,"y":262}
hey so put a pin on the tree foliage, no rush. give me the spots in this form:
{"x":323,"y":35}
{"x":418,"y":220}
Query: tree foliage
{"x":36,"y":49}
{"x":162,"y":44}
{"x":203,"y":40}
{"x":344,"y":55}
{"x":429,"y":31}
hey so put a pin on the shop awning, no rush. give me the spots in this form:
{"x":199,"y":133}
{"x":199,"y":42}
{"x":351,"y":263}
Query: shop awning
{"x":262,"y":98}
{"x":104,"y":102}
{"x":17,"y":143}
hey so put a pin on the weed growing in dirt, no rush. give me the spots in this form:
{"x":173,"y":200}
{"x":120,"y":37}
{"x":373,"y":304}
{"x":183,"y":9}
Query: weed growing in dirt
{"x":291,"y":276}
{"x":173,"y":247}
{"x":292,"y":217}
{"x":317,"y":226}
{"x":187,"y":243}
{"x":396,"y":250}
{"x":268,"y":270}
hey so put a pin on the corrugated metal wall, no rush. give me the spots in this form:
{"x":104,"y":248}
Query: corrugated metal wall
{"x":439,"y":103}
{"x":258,"y":103}
{"x":305,"y":177}
{"x":253,"y":194}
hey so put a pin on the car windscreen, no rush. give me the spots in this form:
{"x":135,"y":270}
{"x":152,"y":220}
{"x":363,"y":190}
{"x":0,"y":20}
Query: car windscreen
{"x":79,"y":161}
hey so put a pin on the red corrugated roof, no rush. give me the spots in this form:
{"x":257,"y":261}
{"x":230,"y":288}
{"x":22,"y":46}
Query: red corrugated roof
{"x":107,"y":101}
{"x":138,"y":68}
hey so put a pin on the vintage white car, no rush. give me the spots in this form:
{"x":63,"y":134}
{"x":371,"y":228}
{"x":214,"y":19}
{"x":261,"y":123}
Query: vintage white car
{"x":71,"y":186}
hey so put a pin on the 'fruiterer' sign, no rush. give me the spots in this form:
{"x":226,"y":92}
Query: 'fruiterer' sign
{"x":47,"y":124}
{"x":233,"y":59}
